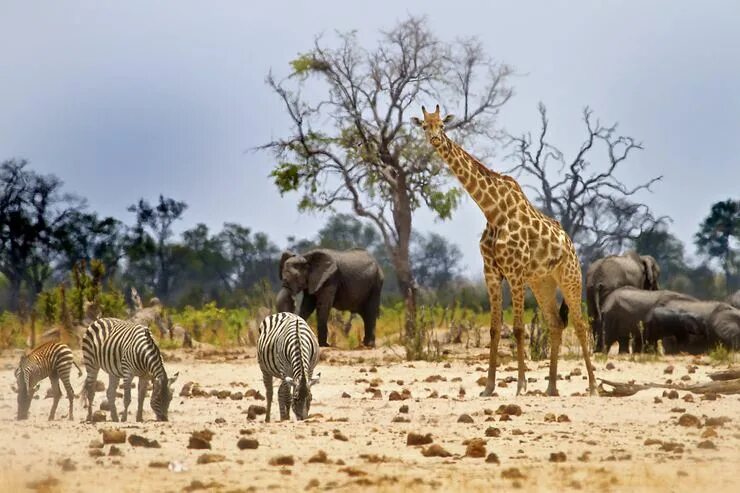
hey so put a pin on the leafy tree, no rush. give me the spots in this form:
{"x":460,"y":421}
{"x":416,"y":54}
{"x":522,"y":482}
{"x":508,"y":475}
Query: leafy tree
{"x":719,"y":238}
{"x":667,"y":250}
{"x":149,"y":250}
{"x":344,"y":231}
{"x":253,"y":256}
{"x":32,"y":211}
{"x":594,"y":207}
{"x":352,"y":146}
{"x":86,"y":237}
{"x":436,"y":261}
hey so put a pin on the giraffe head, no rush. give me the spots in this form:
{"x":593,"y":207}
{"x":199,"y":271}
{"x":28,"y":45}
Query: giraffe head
{"x":433,"y":125}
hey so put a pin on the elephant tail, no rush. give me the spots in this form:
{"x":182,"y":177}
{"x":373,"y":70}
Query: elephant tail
{"x":564,"y":313}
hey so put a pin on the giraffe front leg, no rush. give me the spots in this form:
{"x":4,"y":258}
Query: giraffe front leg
{"x":517,"y":303}
{"x":493,"y":284}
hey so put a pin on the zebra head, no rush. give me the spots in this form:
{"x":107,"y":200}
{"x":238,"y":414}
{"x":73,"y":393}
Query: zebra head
{"x":162,"y":395}
{"x":302,"y":395}
{"x":24,"y":389}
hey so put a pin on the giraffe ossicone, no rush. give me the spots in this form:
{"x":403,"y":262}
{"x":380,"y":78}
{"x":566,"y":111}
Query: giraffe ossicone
{"x":523,"y":246}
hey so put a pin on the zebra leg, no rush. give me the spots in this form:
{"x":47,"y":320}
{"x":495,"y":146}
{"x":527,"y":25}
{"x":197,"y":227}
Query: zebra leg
{"x":92,"y":376}
{"x":70,"y":395}
{"x":284,"y":395}
{"x":268,"y":394}
{"x":143,"y":384}
{"x":126,"y":395}
{"x":111,"y":394}
{"x":57,"y":393}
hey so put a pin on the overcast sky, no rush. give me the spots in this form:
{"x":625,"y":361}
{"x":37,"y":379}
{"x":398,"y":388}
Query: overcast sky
{"x":132,"y":99}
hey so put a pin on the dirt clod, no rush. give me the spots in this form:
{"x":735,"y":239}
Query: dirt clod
{"x":557,"y":457}
{"x":418,"y":439}
{"x":465,"y":418}
{"x":282,"y":460}
{"x":208,"y":458}
{"x":113,"y":436}
{"x":140,"y":441}
{"x":476,"y":448}
{"x":435,"y":450}
{"x":318,"y":458}
{"x":247,"y":443}
{"x":689,"y":420}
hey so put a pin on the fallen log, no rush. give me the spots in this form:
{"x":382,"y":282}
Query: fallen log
{"x":730,"y":374}
{"x":627,"y":389}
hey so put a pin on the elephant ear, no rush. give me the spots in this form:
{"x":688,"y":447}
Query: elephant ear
{"x":322,"y":267}
{"x":652,"y":271}
{"x":285,"y":256}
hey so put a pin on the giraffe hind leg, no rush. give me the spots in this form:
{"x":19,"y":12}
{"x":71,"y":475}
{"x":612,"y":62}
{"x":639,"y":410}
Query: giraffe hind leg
{"x":544,"y":291}
{"x":517,"y":302}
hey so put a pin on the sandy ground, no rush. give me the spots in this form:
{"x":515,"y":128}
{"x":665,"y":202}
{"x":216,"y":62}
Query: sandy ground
{"x":604,"y":441}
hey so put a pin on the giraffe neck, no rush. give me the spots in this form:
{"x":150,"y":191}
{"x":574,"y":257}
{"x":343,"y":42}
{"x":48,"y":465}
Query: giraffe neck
{"x":488,"y":188}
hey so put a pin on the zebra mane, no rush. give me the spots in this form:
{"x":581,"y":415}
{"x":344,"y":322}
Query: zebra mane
{"x":302,"y":384}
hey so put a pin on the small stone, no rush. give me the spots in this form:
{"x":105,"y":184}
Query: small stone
{"x":563,"y":418}
{"x":505,"y":417}
{"x":210,"y":458}
{"x":709,"y":396}
{"x":709,"y":433}
{"x":200,"y":439}
{"x":338,"y":435}
{"x":482,"y":381}
{"x":435,"y":450}
{"x":282,"y":460}
{"x":247,"y":443}
{"x":394,"y":396}
{"x":653,"y":441}
{"x":678,"y":410}
{"x":318,"y":458}
{"x":98,"y":417}
{"x":492,"y":459}
{"x":219,"y":421}
{"x":707,"y":444}
{"x":159,"y":464}
{"x":550,"y":418}
{"x":345,"y":395}
{"x":688,"y":398}
{"x":95,"y":452}
{"x":557,"y":457}
{"x":237,"y":396}
{"x":465,"y":418}
{"x":115,"y":451}
{"x":512,"y":473}
{"x":223,"y":394}
{"x":668,"y":370}
{"x":105,"y":406}
{"x":255,"y":410}
{"x":610,"y":366}
{"x":657,"y":400}
{"x":510,"y":409}
{"x":493,"y":432}
{"x":575,"y":372}
{"x":689,"y":420}
{"x":140,"y":441}
{"x":95,"y":444}
{"x":186,"y":389}
{"x":673,"y":394}
{"x":435,"y":378}
{"x":400,"y":419}
{"x":403,"y":409}
{"x":418,"y":439}
{"x":67,"y":465}
{"x":113,"y":436}
{"x":476,"y":448}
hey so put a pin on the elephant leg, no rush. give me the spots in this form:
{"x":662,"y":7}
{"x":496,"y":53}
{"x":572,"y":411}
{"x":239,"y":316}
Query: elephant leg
{"x":370,"y":317}
{"x":324,"y":301}
{"x":624,"y":344}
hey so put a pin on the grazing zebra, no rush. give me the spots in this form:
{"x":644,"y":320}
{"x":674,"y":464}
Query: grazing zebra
{"x":125,"y":350}
{"x":53,"y":360}
{"x":288,"y":350}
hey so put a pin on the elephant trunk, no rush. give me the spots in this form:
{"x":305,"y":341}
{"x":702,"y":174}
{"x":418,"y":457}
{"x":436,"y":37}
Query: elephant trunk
{"x":564,"y":313}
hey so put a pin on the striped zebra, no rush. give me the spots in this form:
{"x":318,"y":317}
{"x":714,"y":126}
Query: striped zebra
{"x":53,"y":360}
{"x":125,"y":350}
{"x":288,"y":350}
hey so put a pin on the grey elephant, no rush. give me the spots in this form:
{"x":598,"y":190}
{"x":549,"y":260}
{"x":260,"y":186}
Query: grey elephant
{"x":697,"y":326}
{"x":615,"y":271}
{"x":350,"y":280}
{"x":625,"y":309}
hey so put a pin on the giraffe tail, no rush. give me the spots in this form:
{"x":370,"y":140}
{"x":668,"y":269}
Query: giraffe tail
{"x":564,"y":313}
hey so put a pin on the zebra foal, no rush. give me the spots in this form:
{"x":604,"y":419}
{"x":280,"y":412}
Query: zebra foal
{"x":125,"y":350}
{"x":288,"y":349}
{"x":53,"y":360}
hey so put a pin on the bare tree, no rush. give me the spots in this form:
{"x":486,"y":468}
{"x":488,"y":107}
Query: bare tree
{"x":594,"y":207}
{"x":351,"y":145}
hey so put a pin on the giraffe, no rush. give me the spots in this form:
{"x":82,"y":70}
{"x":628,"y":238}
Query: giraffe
{"x":523,"y":246}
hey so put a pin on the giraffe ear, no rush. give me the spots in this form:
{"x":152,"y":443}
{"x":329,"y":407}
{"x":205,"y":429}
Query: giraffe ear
{"x":448,"y":118}
{"x":436,"y":110}
{"x":416,"y":121}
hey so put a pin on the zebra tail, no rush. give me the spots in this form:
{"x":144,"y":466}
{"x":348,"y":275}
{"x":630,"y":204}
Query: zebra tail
{"x":79,"y":372}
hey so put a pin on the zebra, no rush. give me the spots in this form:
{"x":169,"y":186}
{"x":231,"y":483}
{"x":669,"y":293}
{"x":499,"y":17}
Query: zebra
{"x":287,"y":349}
{"x":125,"y":350}
{"x":53,"y":360}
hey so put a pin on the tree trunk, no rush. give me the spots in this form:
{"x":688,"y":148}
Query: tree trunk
{"x":401,"y":256}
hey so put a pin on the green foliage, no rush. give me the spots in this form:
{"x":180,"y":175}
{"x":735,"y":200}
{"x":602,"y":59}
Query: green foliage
{"x":12,"y":333}
{"x":444,"y":202}
{"x":720,"y":354}
{"x":423,"y":344}
{"x":113,"y":303}
{"x":307,"y":63}
{"x":287,"y":177}
{"x":719,"y":230}
{"x":214,"y":325}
